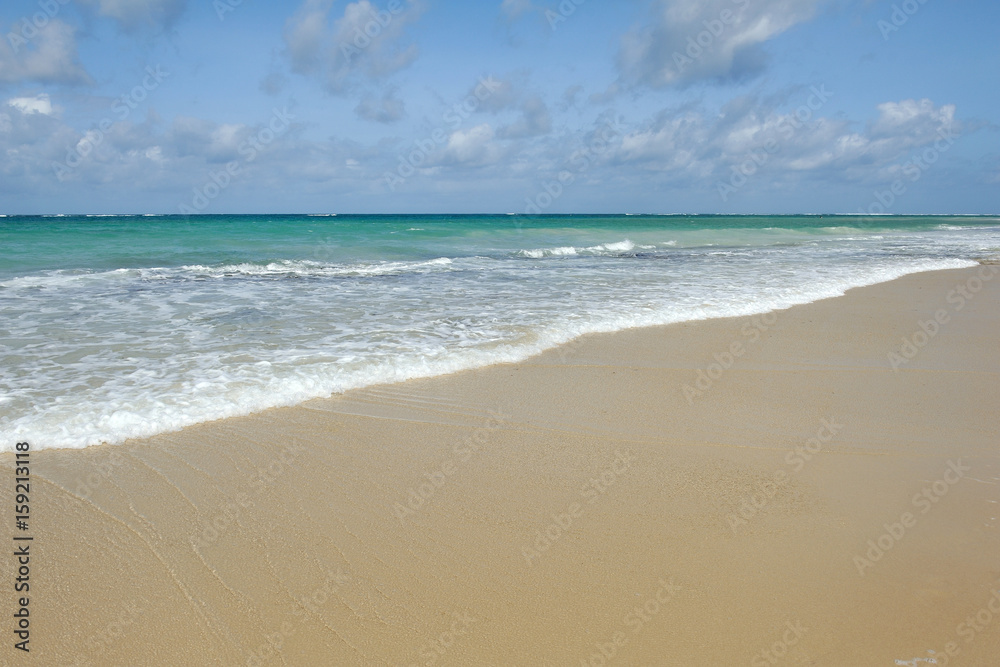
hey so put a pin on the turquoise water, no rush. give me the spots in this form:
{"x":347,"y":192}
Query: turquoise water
{"x":125,"y":326}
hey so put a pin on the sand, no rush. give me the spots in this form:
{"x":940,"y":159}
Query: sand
{"x":751,"y":491}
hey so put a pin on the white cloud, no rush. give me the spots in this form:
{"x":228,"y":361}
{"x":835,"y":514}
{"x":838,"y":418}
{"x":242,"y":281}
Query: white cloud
{"x":534,"y":121}
{"x":37,"y":104}
{"x":472,"y":147}
{"x":513,"y":9}
{"x":216,"y":142}
{"x":510,"y":94}
{"x":385,"y":109}
{"x":504,"y":94}
{"x":365,"y":42}
{"x":693,"y":40}
{"x":49,"y":57}
{"x":569,"y":96}
{"x":273,"y":83}
{"x":693,"y":144}
{"x":918,"y":119}
{"x":688,"y":148}
{"x":304,"y":35}
{"x":134,"y":14}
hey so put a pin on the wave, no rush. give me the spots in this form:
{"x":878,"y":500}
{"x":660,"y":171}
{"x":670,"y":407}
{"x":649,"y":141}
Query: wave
{"x":280,"y":269}
{"x":312,"y":269}
{"x":156,"y":402}
{"x":604,"y":249}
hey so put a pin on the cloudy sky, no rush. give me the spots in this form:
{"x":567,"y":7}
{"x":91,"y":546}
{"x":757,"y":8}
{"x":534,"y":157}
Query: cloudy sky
{"x":654,"y":106}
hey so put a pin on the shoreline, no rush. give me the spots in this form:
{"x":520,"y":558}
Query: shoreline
{"x":576,"y":506}
{"x":521,"y":357}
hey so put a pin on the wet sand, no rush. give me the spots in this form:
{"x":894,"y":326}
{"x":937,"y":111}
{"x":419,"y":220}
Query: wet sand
{"x":778,"y":490}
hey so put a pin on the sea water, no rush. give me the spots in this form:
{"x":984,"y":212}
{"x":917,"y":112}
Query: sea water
{"x":114,"y":327}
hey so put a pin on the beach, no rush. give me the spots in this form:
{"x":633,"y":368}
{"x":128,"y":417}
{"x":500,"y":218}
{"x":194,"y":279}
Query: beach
{"x":813,"y":486}
{"x":397,"y":333}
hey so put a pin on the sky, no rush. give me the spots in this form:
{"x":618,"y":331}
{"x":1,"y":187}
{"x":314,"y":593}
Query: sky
{"x":499,"y":106}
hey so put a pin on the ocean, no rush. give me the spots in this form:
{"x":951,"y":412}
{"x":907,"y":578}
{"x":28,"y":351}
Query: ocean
{"x":116,"y":327}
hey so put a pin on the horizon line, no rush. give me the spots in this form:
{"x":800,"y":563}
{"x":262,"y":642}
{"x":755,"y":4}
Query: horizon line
{"x":520,"y":215}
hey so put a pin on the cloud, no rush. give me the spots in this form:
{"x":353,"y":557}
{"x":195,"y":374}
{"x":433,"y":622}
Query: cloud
{"x":691,"y":144}
{"x":514,"y":9}
{"x":535,"y":121}
{"x":917,"y":120}
{"x":687,"y":41}
{"x":214,"y":142}
{"x":385,"y":109}
{"x":28,"y":105}
{"x":25,"y":130}
{"x":511,"y":94}
{"x":472,"y":147}
{"x":160,"y":161}
{"x":30,"y":142}
{"x":50,"y":56}
{"x":135,"y":14}
{"x":569,"y":95}
{"x":273,"y":83}
{"x":504,"y":94}
{"x":304,"y":34}
{"x":364,"y":43}
{"x":681,"y":149}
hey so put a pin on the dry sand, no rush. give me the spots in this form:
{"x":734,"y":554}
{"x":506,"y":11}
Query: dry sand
{"x":580,"y":508}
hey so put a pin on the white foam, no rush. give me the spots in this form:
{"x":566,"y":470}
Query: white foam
{"x":307,"y":268}
{"x":621,"y":246}
{"x":615,"y":248}
{"x":297,"y":268}
{"x":103,"y":356}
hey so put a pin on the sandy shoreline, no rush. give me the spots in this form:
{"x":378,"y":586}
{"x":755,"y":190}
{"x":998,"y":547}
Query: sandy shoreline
{"x":708,"y":493}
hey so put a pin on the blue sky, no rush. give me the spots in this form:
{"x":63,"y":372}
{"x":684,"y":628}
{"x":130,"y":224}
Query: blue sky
{"x":639,"y":106}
